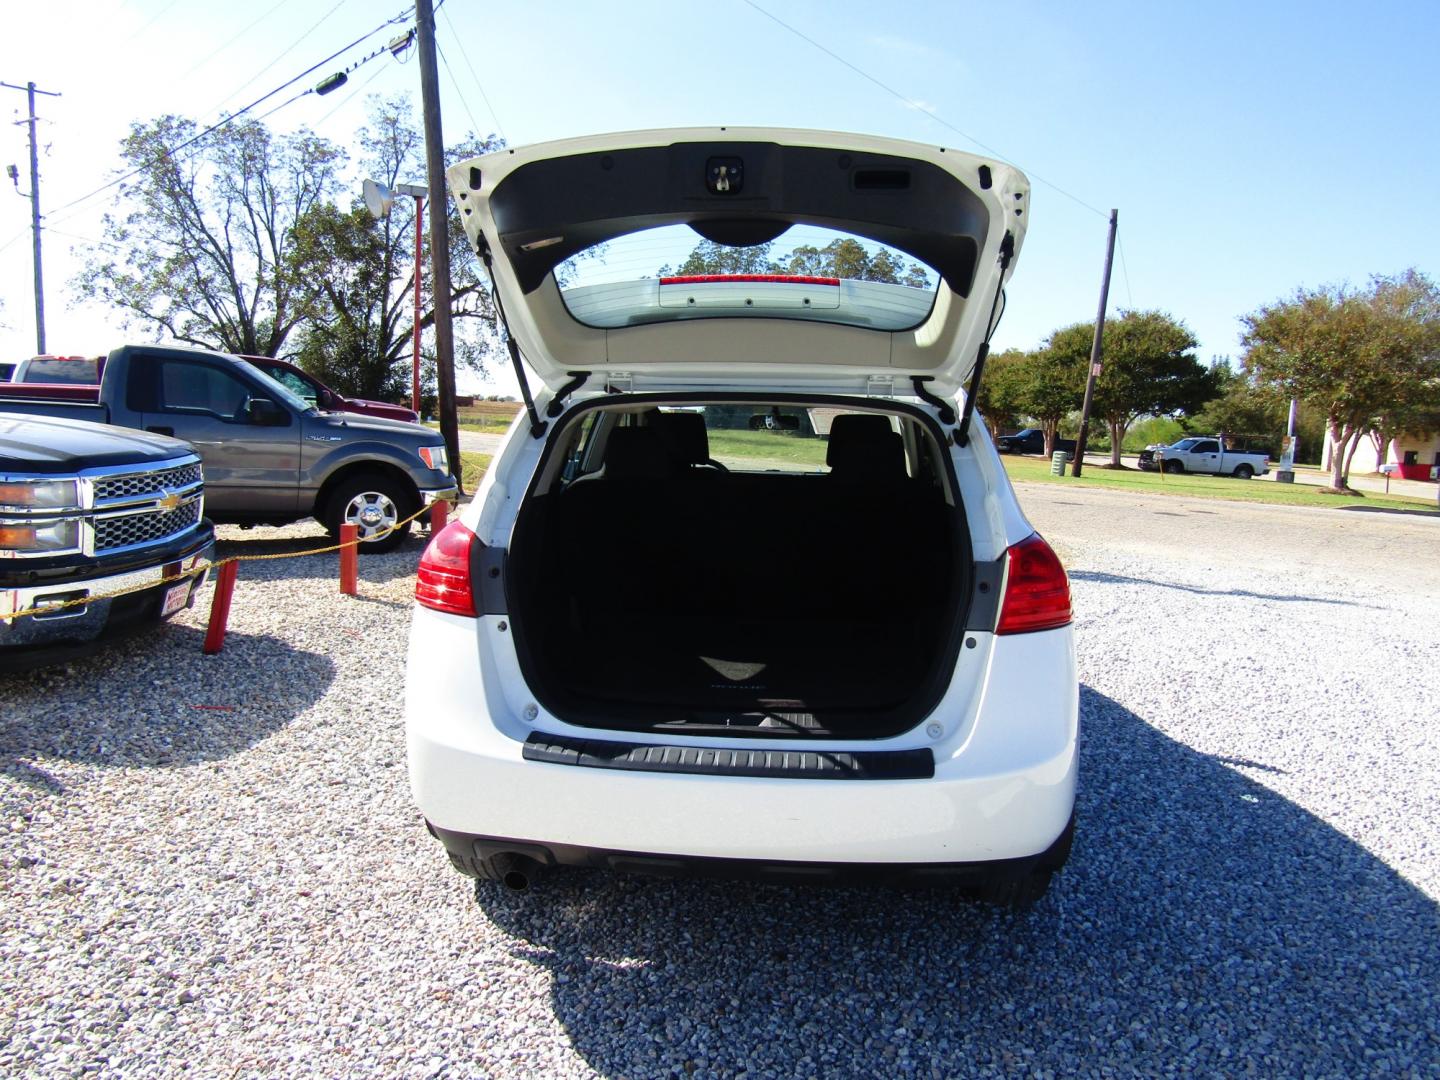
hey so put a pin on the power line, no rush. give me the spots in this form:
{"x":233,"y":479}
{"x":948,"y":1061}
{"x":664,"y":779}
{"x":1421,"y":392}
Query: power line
{"x":474,"y":124}
{"x":231,"y":41}
{"x":465,"y":55}
{"x":910,"y":102}
{"x":286,"y":52}
{"x":1125,"y":273}
{"x":171,"y":152}
{"x":353,"y":93}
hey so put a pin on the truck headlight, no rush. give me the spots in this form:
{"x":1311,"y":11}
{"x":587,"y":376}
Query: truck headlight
{"x":435,"y":457}
{"x":30,"y":537}
{"x":39,"y":494}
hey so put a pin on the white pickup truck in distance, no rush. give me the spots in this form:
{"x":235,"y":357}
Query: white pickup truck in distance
{"x":1205,"y":454}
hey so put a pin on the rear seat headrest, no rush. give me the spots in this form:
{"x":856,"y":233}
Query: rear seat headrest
{"x":636,"y":453}
{"x":684,"y":435}
{"x":863,"y":445}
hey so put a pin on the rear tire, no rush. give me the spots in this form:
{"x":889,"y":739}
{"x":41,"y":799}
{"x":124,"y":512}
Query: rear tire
{"x":1244,"y":472}
{"x":1174,"y":467}
{"x":373,"y":502}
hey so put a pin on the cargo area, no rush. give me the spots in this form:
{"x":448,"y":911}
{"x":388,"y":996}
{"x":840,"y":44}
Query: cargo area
{"x":654,"y":587}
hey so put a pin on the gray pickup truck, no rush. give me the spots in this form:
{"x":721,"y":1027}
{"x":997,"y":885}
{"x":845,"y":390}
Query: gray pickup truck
{"x":270,"y":457}
{"x":87,"y":512}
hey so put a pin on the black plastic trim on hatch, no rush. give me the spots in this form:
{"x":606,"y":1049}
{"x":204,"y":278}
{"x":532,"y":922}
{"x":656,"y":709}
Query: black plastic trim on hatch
{"x":727,"y":761}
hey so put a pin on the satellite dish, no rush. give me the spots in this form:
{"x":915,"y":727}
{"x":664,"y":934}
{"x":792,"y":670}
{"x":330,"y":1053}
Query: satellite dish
{"x":378,"y":199}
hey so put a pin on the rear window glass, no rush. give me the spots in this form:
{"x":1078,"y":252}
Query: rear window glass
{"x":77,"y":372}
{"x":809,"y":273}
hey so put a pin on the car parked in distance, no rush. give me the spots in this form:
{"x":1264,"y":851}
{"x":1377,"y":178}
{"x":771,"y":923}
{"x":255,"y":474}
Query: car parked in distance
{"x":270,"y":457}
{"x":1205,"y":454}
{"x":795,"y":659}
{"x":59,"y":370}
{"x":1030,"y":441}
{"x":88,"y":510}
{"x":306,"y":386}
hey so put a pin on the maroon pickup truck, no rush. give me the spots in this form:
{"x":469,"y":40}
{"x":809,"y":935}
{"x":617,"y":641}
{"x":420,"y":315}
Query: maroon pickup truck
{"x":313,"y":390}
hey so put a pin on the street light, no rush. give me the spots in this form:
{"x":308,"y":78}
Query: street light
{"x":379,"y":200}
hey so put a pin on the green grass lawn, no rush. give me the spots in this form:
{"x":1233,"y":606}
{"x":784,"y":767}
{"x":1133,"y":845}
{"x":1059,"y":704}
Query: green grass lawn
{"x":472,"y":468}
{"x":1260,"y":489}
{"x":766,"y":449}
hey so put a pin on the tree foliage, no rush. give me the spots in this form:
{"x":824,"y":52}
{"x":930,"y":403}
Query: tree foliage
{"x":207,"y":233}
{"x":359,"y":337}
{"x":843,"y":257}
{"x":1150,"y":368}
{"x":1356,"y":355}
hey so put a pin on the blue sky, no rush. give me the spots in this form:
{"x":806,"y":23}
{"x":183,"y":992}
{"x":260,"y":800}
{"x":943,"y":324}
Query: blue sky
{"x":1250,"y":148}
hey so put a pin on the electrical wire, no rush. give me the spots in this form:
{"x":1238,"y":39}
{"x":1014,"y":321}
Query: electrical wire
{"x":286,"y":52}
{"x":231,"y":41}
{"x":1125,"y":272}
{"x":474,"y":124}
{"x":465,"y":55}
{"x":352,"y":94}
{"x":231,"y":118}
{"x":910,"y":102}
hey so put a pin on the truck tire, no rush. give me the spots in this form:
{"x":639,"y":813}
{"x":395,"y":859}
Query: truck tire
{"x":1174,"y":467}
{"x":373,"y":502}
{"x":1243,"y":472}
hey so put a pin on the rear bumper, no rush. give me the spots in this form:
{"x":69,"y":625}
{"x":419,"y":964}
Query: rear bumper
{"x":467,"y":852}
{"x":1003,"y":786}
{"x":33,"y":640}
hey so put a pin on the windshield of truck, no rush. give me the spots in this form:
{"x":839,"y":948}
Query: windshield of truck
{"x":282,"y":392}
{"x":1185,"y":444}
{"x":810,"y":273}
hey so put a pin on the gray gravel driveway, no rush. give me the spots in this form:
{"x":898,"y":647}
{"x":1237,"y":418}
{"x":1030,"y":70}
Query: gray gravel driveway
{"x":213,"y":864}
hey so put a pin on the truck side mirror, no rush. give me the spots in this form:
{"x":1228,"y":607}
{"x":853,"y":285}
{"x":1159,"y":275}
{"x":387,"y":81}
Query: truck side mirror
{"x":266,"y":413}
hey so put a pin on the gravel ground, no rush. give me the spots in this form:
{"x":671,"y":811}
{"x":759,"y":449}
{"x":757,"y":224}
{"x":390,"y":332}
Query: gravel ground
{"x":213,"y":863}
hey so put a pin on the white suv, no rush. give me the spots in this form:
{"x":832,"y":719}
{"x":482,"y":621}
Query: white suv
{"x":667,"y":638}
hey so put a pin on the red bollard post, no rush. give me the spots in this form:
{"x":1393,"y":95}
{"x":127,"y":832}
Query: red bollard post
{"x":349,"y":559}
{"x":220,"y":608}
{"x":439,"y":514}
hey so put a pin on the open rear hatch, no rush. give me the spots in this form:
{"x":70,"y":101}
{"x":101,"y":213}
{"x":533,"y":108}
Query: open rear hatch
{"x":841,"y":258}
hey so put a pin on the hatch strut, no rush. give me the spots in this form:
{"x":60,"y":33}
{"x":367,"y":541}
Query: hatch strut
{"x":557,"y":403}
{"x":962,"y":433}
{"x":537,"y":426}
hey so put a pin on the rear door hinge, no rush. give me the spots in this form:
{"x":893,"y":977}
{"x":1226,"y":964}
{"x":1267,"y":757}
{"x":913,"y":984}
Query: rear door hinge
{"x":880,"y":386}
{"x":619,"y":382}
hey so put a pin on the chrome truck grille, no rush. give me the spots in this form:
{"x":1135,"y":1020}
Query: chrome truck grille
{"x":136,"y":485}
{"x":126,"y":530}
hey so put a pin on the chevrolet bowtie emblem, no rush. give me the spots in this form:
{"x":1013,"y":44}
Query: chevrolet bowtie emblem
{"x":170,"y":501}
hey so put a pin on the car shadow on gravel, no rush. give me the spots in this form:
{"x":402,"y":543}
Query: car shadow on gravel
{"x":1204,"y":923}
{"x":1121,"y":579}
{"x":292,"y":566}
{"x":155,"y":701}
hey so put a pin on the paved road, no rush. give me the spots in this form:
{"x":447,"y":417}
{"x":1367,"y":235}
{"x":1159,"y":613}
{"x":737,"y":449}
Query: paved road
{"x":478,"y":443}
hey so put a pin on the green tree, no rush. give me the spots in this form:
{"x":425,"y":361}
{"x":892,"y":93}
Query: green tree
{"x":1150,"y":368}
{"x":1000,"y":399}
{"x":1351,"y":354}
{"x":207,"y":231}
{"x":1050,"y":387}
{"x":843,"y":257}
{"x":359,"y":338}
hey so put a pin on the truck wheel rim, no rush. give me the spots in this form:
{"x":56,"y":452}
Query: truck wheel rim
{"x":372,"y":513}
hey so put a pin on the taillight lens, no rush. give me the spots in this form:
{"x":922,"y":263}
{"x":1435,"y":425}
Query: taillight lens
{"x":1037,"y":589}
{"x":443,"y":581}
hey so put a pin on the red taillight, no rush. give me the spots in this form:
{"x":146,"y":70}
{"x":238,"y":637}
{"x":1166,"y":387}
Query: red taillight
{"x":443,"y":582}
{"x":1037,"y":589}
{"x":762,"y":279}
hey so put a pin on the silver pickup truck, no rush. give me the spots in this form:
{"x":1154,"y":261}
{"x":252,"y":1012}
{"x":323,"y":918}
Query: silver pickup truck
{"x":88,"y":511}
{"x":270,"y":457}
{"x":1204,"y":454}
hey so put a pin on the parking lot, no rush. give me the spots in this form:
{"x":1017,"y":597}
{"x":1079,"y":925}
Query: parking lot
{"x":214,"y":864}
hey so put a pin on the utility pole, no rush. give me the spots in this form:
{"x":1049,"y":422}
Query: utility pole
{"x":30,"y":92}
{"x":439,"y":231}
{"x":1095,"y":353}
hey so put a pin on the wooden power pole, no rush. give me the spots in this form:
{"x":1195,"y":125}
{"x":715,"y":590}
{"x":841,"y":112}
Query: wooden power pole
{"x":1095,"y":353}
{"x":439,"y":231}
{"x":30,"y":92}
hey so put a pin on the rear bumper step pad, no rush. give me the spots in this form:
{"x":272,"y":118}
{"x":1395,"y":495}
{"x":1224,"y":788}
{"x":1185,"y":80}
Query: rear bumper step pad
{"x":726,"y":761}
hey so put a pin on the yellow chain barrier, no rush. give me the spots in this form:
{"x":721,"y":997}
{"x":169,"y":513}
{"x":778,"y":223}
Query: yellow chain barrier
{"x":48,"y":609}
